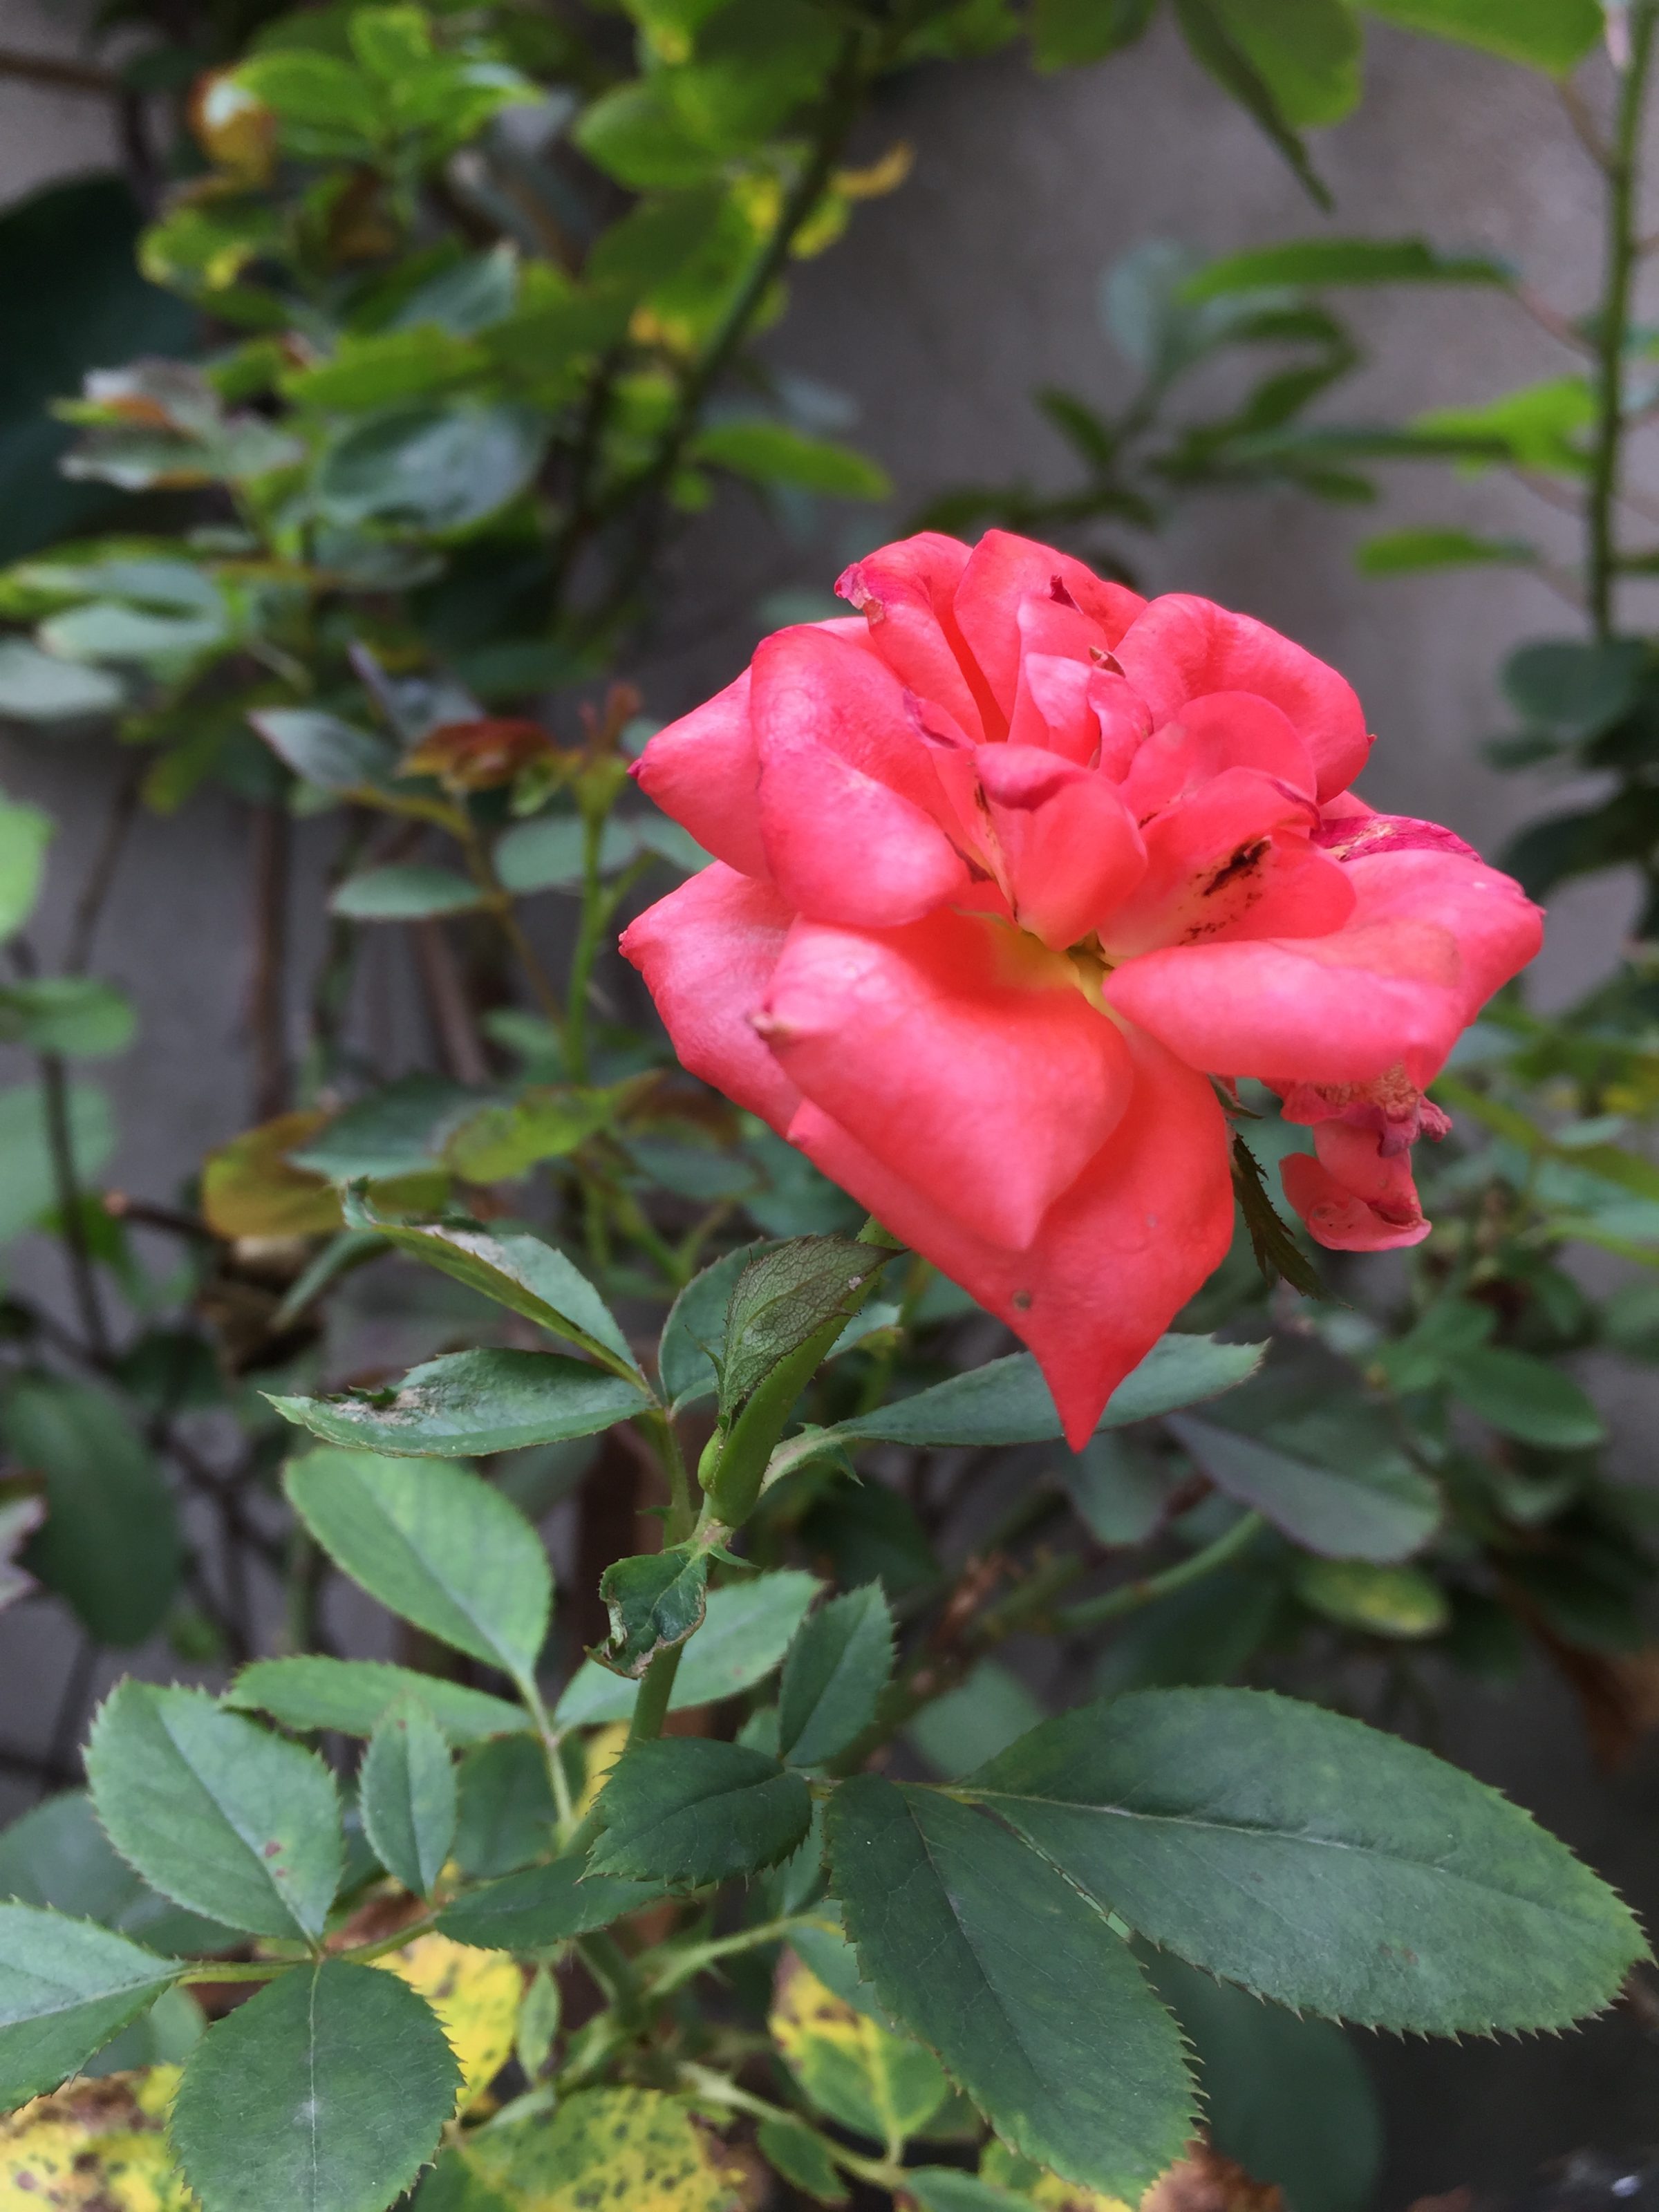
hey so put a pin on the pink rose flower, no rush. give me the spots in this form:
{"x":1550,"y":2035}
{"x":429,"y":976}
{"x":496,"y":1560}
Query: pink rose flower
{"x":1009,"y":866}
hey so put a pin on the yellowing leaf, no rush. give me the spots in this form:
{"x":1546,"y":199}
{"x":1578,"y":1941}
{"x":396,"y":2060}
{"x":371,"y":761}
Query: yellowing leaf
{"x":636,"y":2148}
{"x":603,"y":1748}
{"x":248,"y":1189}
{"x":885,"y":176}
{"x":1005,"y":2169}
{"x":476,"y":1995}
{"x":94,"y":2147}
{"x":879,"y":2084}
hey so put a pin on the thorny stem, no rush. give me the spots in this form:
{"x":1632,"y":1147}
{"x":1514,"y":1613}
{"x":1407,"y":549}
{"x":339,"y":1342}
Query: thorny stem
{"x":1621,"y":165}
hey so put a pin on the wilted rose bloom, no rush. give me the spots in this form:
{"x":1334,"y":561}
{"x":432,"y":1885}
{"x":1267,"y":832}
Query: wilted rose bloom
{"x":1010,"y":865}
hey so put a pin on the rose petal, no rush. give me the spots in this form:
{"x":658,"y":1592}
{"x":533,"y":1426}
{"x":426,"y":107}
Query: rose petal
{"x":1352,"y":1197}
{"x":705,"y":771}
{"x":707,"y":952}
{"x":1230,"y":859}
{"x":1117,"y":1256}
{"x":850,"y":805}
{"x":964,"y":1059}
{"x":905,"y":594}
{"x":1183,"y":647}
{"x":1003,"y":571}
{"x":1068,"y":850}
{"x":1226,"y":730}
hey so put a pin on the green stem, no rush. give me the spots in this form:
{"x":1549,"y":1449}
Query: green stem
{"x":650,"y":1706}
{"x":684,"y":1965}
{"x":1613,"y":320}
{"x":60,"y":1141}
{"x":558,"y":1780}
{"x":1131,"y":1597}
{"x":590,"y":933}
{"x":499,"y":900}
{"x":706,"y":2085}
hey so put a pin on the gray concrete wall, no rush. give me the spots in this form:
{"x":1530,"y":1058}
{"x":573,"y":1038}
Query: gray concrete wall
{"x":938,"y":314}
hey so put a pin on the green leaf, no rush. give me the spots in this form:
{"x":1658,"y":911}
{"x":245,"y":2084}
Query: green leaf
{"x":28,"y":1185}
{"x":1399,"y":1601}
{"x":501,"y":1144}
{"x":214,"y":1812}
{"x":745,"y":1632}
{"x":837,"y":1668}
{"x":782,"y":1299}
{"x":1410,"y":552}
{"x":991,"y":1957}
{"x":1552,"y":35}
{"x":1540,"y":426}
{"x":1066,"y":31}
{"x":687,"y":1809}
{"x":1307,"y":53}
{"x":471,"y":1403}
{"x":41,"y":687}
{"x":539,"y":1905}
{"x":406,"y":892}
{"x":1212,"y":37}
{"x":1120,"y":1492}
{"x":948,"y":2189}
{"x":111,"y":1544}
{"x":58,"y":1856}
{"x":1573,"y":688}
{"x":1290,"y":2098}
{"x":66,"y":1988}
{"x":655,"y":1600}
{"x":851,"y":2066}
{"x":324,"y":751}
{"x":1525,"y":1397}
{"x":398,"y":1130}
{"x":1006,"y":1401}
{"x":406,"y":1794}
{"x":1278,"y":1257}
{"x":435,"y":1544}
{"x":349,"y":1696}
{"x":1319,"y":261}
{"x":506,"y":1812}
{"x":546,"y":853}
{"x":1315,"y":1861}
{"x":1349,"y":1491}
{"x":802,"y":2158}
{"x":975,"y":1721}
{"x":771,"y":452}
{"x":431,"y":469}
{"x":325,"y":2093}
{"x":75,"y":1015}
{"x":520,"y":1272}
{"x":25,"y":833}
{"x":695,"y":1329}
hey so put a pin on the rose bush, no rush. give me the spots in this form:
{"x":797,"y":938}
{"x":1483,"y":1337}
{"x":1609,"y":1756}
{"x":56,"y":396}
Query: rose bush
{"x":1016,"y":873}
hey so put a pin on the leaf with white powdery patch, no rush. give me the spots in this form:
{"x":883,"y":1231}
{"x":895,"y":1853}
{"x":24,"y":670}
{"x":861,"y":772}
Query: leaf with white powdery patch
{"x":406,"y":1793}
{"x":435,"y":1544}
{"x":325,"y":2092}
{"x":214,"y":1812}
